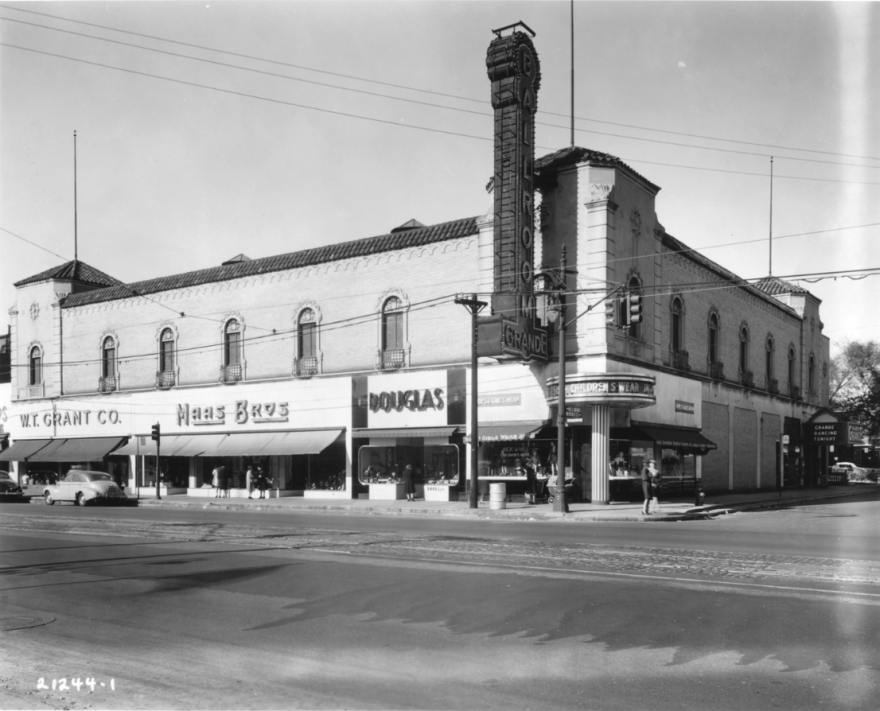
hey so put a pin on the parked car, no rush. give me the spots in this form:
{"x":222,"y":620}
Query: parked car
{"x":9,"y":488}
{"x":853,"y":473}
{"x":82,"y":486}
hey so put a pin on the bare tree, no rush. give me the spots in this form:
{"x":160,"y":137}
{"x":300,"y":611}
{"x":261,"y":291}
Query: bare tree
{"x":855,"y":383}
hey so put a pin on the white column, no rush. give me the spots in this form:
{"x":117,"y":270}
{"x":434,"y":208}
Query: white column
{"x":601,"y":421}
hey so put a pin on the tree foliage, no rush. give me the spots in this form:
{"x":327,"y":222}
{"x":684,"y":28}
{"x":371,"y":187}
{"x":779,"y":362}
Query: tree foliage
{"x":855,"y":383}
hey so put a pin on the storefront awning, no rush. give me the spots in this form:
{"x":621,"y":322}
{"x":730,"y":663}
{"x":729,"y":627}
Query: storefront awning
{"x":276,"y":443}
{"x":508,"y":433}
{"x":173,"y":445}
{"x":669,"y":437}
{"x":23,"y":449}
{"x":405,"y":432}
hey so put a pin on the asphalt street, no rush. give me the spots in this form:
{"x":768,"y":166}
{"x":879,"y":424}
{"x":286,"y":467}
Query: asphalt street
{"x":226,"y":609}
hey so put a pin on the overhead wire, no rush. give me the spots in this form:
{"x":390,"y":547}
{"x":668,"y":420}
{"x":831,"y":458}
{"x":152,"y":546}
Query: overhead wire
{"x":404,"y":87}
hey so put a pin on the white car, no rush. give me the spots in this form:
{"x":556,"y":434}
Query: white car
{"x":82,"y":486}
{"x":853,"y":473}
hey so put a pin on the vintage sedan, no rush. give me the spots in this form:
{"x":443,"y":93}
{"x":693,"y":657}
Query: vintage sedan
{"x":9,"y":488}
{"x":82,"y":486}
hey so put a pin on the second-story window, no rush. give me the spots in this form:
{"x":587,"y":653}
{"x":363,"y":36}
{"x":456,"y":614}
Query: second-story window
{"x":811,"y":374}
{"x":232,"y":344}
{"x":35,"y":369}
{"x":392,"y":325}
{"x":791,"y":377}
{"x":713,"y":338}
{"x":108,"y":358}
{"x":771,"y":352}
{"x":166,"y":351}
{"x":677,"y":325}
{"x":744,"y":349}
{"x":307,"y":335}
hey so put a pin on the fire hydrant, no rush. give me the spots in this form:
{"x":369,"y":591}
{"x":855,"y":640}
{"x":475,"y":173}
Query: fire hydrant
{"x":699,"y":496}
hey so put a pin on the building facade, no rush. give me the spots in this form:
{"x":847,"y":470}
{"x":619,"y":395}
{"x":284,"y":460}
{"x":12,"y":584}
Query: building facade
{"x":334,"y":368}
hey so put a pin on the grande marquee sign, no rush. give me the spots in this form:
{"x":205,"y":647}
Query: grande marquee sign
{"x":619,"y":389}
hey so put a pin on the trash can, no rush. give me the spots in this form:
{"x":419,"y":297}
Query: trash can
{"x":498,"y":496}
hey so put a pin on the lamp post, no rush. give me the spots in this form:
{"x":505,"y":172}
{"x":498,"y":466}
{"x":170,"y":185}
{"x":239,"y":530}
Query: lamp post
{"x":474,"y":306}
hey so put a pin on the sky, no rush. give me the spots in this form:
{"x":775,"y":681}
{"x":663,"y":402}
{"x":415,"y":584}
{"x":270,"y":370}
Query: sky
{"x":205,"y":130}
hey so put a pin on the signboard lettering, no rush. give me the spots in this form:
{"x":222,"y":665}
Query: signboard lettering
{"x":499,"y":400}
{"x":413,"y":400}
{"x":244,"y":412}
{"x":682,"y":406}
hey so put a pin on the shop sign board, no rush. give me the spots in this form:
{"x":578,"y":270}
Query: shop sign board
{"x":72,"y":418}
{"x":686,"y":407}
{"x":618,"y":389}
{"x":412,"y":399}
{"x":854,"y":433}
{"x":827,"y":432}
{"x":519,"y":339}
{"x":500,"y":400}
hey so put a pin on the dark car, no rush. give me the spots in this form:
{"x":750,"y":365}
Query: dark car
{"x":9,"y":489}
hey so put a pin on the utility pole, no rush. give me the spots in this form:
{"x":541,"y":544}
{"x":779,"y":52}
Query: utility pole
{"x":474,"y":306}
{"x":559,"y":502}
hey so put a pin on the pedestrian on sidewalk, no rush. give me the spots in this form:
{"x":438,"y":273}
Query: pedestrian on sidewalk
{"x":222,"y":481}
{"x":648,"y":486}
{"x":408,"y":487}
{"x":655,"y":487}
{"x":262,"y":482}
{"x":249,"y":480}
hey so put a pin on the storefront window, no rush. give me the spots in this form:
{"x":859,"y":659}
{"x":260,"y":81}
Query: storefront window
{"x":432,"y":464}
{"x":498,"y":459}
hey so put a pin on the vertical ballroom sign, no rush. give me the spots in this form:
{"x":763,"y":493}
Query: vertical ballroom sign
{"x":512,"y":332}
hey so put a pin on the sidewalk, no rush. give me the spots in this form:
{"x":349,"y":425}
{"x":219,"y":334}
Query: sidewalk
{"x":680,"y":509}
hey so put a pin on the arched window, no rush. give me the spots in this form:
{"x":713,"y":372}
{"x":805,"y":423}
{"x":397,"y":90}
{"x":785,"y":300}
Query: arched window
{"x":166,"y":351}
{"x":713,"y":338}
{"x":232,"y":343}
{"x":392,"y":352}
{"x":791,"y":371}
{"x":811,"y":374}
{"x":677,"y":324}
{"x":744,"y":349}
{"x":167,"y":374}
{"x":108,"y":358}
{"x":307,"y":335}
{"x":35,"y":369}
{"x":392,"y":325}
{"x":635,"y":288}
{"x":768,"y":363}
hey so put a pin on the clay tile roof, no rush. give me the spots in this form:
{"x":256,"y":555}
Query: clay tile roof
{"x":73,"y":271}
{"x":293,"y":260}
{"x":573,"y":155}
{"x":774,"y":285}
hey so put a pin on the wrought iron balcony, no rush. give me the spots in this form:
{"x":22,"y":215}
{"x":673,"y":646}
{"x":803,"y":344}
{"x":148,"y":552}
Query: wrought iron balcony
{"x":390,"y":360}
{"x":773,"y":386}
{"x":305,"y":367}
{"x":747,"y":378}
{"x":166,"y":379}
{"x":230,"y":373}
{"x":107,"y":384}
{"x":795,"y":392}
{"x":680,"y":359}
{"x":716,"y":371}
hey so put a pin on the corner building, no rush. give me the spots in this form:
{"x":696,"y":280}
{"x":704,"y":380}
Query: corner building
{"x":334,"y":368}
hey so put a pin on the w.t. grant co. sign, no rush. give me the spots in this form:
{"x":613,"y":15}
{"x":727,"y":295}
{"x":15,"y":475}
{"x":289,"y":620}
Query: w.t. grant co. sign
{"x":619,"y":389}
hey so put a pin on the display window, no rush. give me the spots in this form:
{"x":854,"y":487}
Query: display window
{"x":628,"y":458}
{"x":498,"y":460}
{"x":431,"y":464}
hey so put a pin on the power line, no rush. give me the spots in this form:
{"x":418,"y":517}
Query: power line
{"x":412,"y":88}
{"x":425,"y":103}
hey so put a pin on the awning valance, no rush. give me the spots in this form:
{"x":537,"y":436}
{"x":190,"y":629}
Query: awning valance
{"x":83,"y":449}
{"x":402,"y":432}
{"x":245,"y":444}
{"x":671,"y":437}
{"x":507,"y":433}
{"x":276,"y":443}
{"x":23,"y":449}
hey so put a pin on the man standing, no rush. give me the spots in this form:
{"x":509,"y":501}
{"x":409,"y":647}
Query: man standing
{"x":648,"y":472}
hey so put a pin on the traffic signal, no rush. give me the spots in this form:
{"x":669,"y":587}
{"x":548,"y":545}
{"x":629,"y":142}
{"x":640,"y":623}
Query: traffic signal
{"x":155,"y":434}
{"x":610,"y":309}
{"x":634,"y":308}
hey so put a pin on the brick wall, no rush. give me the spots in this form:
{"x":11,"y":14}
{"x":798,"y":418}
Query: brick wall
{"x":346,"y":295}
